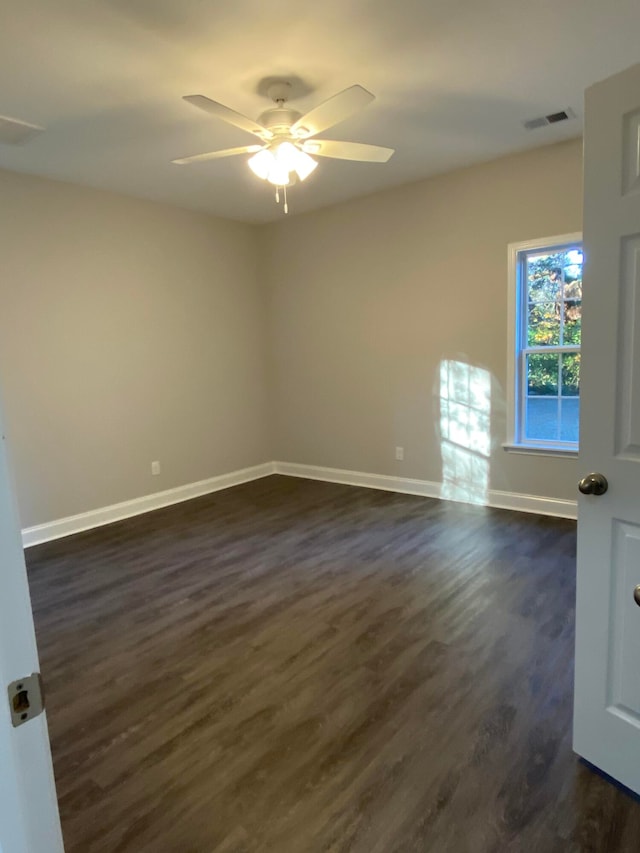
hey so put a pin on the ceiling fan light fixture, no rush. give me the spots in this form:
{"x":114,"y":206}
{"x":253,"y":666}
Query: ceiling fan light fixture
{"x":304,"y":165}
{"x":261,"y":163}
{"x":286,"y":154}
{"x":276,"y":165}
{"x":278,"y":174}
{"x":291,"y":158}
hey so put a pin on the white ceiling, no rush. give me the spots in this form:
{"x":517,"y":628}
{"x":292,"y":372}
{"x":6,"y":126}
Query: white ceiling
{"x":454,"y":81}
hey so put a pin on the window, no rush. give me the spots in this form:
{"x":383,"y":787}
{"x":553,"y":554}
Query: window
{"x":545,"y":319}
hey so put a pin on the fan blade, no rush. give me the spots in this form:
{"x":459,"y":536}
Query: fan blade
{"x":228,"y":115}
{"x":347,"y":150}
{"x":332,"y":111}
{"x":214,"y":155}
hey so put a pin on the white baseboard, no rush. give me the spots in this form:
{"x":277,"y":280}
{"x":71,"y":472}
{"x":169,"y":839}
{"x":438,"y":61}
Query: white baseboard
{"x":430,"y":489}
{"x":137,"y":506}
{"x":424,"y":488}
{"x":405,"y":485}
{"x":533,"y":503}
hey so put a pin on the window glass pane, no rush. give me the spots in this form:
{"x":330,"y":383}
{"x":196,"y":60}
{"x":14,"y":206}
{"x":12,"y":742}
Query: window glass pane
{"x":573,"y":266}
{"x":543,"y":324}
{"x":544,"y":276}
{"x":573,"y":322}
{"x":572,"y":295}
{"x":570,"y":390}
{"x":541,"y":419}
{"x":569,"y":419}
{"x":541,"y":411}
{"x":542,"y":374}
{"x":572,"y":286}
{"x":570,"y":374}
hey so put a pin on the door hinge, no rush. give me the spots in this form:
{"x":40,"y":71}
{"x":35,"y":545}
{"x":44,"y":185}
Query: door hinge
{"x":26,"y":698}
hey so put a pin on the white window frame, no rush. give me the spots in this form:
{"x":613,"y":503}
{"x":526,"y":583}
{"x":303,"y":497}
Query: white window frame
{"x":515,"y":377}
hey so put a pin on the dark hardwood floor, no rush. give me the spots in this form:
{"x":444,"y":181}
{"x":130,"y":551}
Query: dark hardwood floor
{"x":299,"y":667}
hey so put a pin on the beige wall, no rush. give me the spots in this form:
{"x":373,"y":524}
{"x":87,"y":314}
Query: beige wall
{"x":129,"y":332}
{"x":133,"y":331}
{"x":367,"y":298}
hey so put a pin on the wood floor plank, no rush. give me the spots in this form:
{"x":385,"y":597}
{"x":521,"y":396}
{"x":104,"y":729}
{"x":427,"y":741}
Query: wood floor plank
{"x":302,"y":667}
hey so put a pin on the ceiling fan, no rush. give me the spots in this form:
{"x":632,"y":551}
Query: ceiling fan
{"x":287,"y":138}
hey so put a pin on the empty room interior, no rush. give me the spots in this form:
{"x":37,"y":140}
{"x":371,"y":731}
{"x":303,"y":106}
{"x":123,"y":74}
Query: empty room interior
{"x":302,"y":428}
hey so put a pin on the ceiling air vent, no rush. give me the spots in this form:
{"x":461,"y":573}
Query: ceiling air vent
{"x":15,"y":132}
{"x":552,"y":118}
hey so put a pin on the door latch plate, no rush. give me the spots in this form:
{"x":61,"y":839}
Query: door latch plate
{"x":26,"y":699}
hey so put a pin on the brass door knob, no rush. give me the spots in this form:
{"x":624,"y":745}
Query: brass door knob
{"x":593,"y":484}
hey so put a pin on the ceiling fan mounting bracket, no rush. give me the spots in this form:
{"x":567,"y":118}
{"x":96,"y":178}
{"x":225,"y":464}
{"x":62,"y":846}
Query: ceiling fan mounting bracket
{"x":280,"y":92}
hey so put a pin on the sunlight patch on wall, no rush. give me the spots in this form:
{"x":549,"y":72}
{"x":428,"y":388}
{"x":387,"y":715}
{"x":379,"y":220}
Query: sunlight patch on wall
{"x":465,"y":431}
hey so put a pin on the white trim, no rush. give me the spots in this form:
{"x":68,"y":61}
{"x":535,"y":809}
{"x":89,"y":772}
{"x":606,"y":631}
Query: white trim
{"x":116,"y":512}
{"x":427,"y":488}
{"x":533,"y":503}
{"x":545,"y":242}
{"x":514,"y":317}
{"x":403,"y":485}
{"x":560,"y":452}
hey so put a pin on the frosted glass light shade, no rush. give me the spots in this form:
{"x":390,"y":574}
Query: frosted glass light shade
{"x":304,"y":165}
{"x":295,"y":160}
{"x":276,"y":166}
{"x":261,"y":163}
{"x":278,"y":175}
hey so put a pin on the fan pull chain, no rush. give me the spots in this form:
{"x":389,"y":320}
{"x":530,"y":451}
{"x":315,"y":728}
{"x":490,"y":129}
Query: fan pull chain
{"x":286,"y":205}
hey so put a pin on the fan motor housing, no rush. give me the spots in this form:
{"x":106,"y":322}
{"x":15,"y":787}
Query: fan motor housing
{"x":279,"y":119}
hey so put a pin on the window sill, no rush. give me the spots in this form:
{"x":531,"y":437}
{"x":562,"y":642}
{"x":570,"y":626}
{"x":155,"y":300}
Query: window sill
{"x":536,"y":450}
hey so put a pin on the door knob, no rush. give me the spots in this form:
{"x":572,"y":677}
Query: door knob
{"x":593,"y":484}
{"x":636,"y":595}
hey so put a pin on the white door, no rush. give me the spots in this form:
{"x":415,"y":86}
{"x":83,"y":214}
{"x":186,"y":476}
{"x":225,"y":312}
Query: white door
{"x":29,"y":820}
{"x":607,"y":687}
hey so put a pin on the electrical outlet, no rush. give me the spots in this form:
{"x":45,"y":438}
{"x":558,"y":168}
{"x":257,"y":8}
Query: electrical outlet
{"x":399,"y":453}
{"x":155,"y":468}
